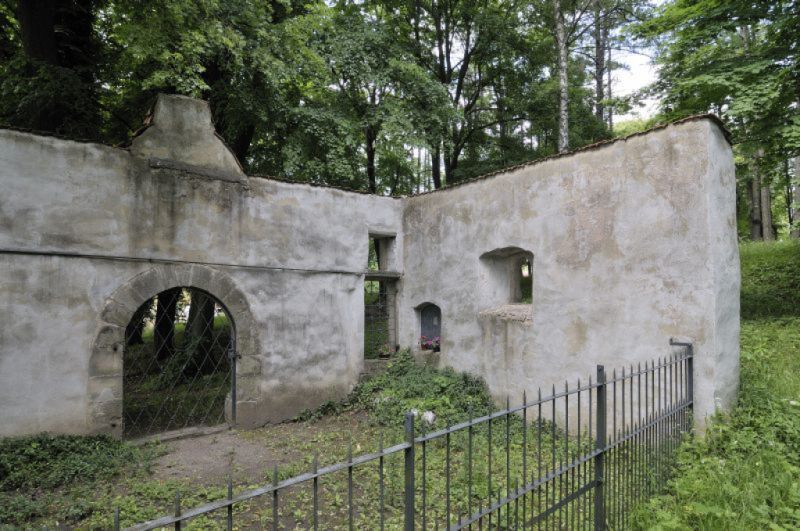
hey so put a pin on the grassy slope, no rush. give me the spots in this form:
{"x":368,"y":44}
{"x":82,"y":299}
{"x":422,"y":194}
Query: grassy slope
{"x":746,"y":473}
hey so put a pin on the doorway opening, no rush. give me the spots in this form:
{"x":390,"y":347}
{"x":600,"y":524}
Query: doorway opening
{"x":179,"y":364}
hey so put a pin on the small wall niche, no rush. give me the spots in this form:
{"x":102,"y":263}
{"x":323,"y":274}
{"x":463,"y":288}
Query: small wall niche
{"x":510,"y":274}
{"x":430,"y":327}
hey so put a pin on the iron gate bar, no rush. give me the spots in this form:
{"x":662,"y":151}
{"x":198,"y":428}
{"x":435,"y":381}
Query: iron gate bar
{"x":527,"y":489}
{"x":637,"y":451}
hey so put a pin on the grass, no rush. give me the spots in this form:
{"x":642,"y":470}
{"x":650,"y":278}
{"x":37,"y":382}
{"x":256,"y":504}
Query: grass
{"x":373,"y":413}
{"x":745,"y":474}
{"x":56,"y":477}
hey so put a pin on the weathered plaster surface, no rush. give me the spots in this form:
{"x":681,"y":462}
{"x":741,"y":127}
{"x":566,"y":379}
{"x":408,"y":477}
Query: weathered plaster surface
{"x":89,"y":232}
{"x":632,"y":243}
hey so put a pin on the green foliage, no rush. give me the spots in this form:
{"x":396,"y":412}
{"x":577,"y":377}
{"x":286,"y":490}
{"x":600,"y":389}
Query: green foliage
{"x":745,"y":473}
{"x":770,"y":280}
{"x":738,"y":60}
{"x":48,"y":461}
{"x":35,"y":470}
{"x":359,"y":95}
{"x":629,"y":127}
{"x":406,"y":386}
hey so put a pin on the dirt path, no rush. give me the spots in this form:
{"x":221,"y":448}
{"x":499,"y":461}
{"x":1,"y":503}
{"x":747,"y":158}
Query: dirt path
{"x":250,"y":456}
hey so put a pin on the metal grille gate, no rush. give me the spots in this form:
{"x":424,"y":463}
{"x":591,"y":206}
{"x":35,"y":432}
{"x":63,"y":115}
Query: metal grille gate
{"x":179,"y":364}
{"x":378,"y":318}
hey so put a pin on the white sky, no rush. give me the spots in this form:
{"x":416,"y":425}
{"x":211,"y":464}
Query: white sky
{"x":640,"y":73}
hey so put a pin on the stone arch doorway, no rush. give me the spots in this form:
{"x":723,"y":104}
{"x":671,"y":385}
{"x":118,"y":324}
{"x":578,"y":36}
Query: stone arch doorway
{"x":107,"y":368}
{"x":179,"y":363}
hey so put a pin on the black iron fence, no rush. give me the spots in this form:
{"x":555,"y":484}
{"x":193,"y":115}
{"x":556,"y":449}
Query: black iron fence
{"x":577,"y":458}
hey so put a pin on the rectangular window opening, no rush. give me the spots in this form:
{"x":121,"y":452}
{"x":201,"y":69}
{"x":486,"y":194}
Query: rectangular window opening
{"x":380,"y":290}
{"x":379,"y":318}
{"x":381,"y":250}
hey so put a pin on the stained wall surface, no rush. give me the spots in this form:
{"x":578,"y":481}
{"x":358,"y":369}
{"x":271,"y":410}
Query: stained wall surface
{"x":633,"y":243}
{"x":88,"y":233}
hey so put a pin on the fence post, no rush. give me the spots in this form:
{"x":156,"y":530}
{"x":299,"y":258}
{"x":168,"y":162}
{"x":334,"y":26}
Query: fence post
{"x":232,"y":360}
{"x":600,"y":446}
{"x":690,"y":374}
{"x":689,"y":369}
{"x":409,"y":466}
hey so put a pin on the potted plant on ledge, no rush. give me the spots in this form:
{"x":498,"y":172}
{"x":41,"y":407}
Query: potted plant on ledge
{"x":429,"y":343}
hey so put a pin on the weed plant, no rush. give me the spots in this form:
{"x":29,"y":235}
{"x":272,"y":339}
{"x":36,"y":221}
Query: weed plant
{"x":55,"y":475}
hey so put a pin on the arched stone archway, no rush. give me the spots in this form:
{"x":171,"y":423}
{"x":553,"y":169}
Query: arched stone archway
{"x":106,"y":361}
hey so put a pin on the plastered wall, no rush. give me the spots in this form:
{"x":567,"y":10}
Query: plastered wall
{"x":633,"y":243}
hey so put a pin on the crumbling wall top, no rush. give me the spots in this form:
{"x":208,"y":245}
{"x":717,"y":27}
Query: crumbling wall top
{"x":181,"y":131}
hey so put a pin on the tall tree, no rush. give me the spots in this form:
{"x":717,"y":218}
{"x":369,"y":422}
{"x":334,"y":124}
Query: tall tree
{"x":49,"y":73}
{"x":737,"y":59}
{"x":454,"y":41}
{"x":164,"y":326}
{"x":794,"y":200}
{"x":199,"y":332}
{"x":568,"y":22}
{"x":377,"y":82}
{"x":355,"y":94}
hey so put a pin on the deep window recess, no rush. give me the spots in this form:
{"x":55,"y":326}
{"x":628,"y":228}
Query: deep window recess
{"x":379,"y":327}
{"x":526,"y":280}
{"x":510,"y":271}
{"x":177,"y":369}
{"x":381,"y":249}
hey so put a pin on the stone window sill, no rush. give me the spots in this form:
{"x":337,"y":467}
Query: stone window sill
{"x":520,"y":312}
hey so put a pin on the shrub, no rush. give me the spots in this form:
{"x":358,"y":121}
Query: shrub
{"x":407,"y":386}
{"x":48,"y":462}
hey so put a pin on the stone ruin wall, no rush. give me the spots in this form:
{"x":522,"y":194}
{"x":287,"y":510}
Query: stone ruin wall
{"x":633,"y":243}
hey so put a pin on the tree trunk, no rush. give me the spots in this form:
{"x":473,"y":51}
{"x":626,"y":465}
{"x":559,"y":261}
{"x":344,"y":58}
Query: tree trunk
{"x":599,"y":62}
{"x":37,"y":20}
{"x":241,"y":143}
{"x":450,"y":162}
{"x":436,"y":170}
{"x":766,"y":212}
{"x":133,"y":332}
{"x":755,"y":207}
{"x":164,"y":331}
{"x":369,"y":140}
{"x":609,"y":94}
{"x":795,"y":201}
{"x":563,"y":82}
{"x":199,"y":332}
